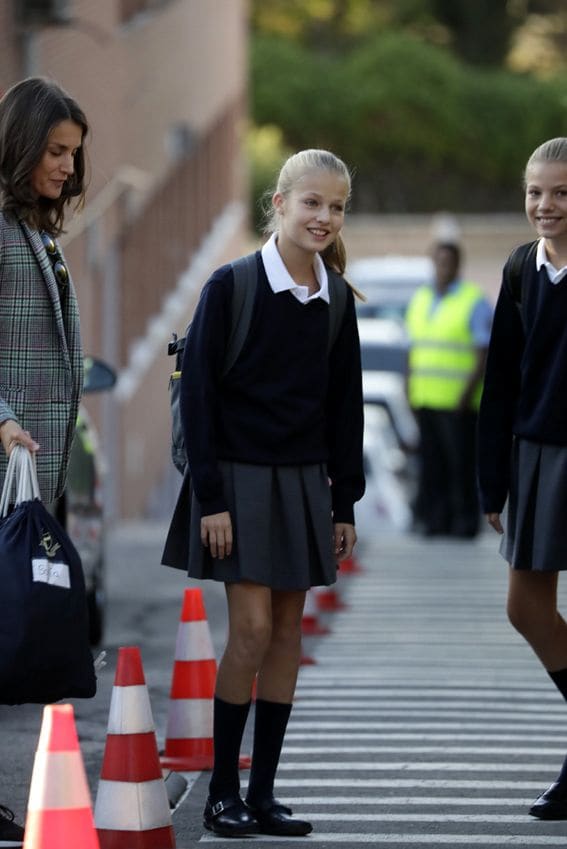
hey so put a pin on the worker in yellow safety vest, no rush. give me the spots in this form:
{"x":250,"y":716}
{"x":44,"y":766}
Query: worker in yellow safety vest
{"x":448,"y":324}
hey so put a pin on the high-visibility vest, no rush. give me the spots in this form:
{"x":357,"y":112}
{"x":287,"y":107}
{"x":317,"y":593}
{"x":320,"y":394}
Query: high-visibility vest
{"x":443,"y":353}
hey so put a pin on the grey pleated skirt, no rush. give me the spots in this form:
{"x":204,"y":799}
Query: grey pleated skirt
{"x":536,"y":524}
{"x":282,"y":528}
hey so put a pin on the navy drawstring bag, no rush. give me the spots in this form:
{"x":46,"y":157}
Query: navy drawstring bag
{"x":45,"y":654}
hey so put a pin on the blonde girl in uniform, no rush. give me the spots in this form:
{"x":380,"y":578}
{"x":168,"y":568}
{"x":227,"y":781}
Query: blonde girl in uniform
{"x":275,"y":457}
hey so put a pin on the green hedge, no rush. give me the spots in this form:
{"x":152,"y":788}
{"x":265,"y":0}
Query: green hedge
{"x":421,"y":129}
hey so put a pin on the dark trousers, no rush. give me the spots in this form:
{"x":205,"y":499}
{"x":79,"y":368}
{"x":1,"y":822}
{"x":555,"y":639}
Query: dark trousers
{"x":447,"y":498}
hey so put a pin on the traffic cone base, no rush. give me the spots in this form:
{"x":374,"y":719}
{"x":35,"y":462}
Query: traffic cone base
{"x":189,"y":755}
{"x":194,"y":760}
{"x":155,"y":838}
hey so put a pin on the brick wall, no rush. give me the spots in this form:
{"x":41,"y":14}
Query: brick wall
{"x":163,"y":84}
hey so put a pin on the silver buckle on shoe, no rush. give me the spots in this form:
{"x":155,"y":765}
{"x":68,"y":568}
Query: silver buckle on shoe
{"x":217,"y":809}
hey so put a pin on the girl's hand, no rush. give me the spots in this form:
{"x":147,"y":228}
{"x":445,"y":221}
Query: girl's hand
{"x":216,"y":534}
{"x":345,"y":538}
{"x":12,"y":434}
{"x":493,"y":520}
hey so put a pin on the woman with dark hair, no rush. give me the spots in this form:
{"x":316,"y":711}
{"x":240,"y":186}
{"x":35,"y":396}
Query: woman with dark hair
{"x":42,"y":168}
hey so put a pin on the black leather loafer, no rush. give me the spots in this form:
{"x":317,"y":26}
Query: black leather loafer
{"x":551,"y":805}
{"x":278,"y":819}
{"x":229,"y":818}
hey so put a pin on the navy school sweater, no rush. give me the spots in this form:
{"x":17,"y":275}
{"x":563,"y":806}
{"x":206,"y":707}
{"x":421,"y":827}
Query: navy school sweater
{"x":525,"y":386}
{"x":286,"y":401}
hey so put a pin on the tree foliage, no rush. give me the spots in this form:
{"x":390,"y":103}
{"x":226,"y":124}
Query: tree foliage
{"x":423,"y":130}
{"x":480,"y":32}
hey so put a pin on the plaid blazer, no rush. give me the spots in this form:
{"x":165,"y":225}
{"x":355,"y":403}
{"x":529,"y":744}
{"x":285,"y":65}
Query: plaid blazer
{"x":41,"y":358}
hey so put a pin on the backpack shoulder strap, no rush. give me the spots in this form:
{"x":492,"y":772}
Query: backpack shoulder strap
{"x":245,"y":270}
{"x":337,"y":305}
{"x":514,"y":268}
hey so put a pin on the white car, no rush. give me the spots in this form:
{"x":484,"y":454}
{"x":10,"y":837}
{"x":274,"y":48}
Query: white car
{"x":390,"y":430}
{"x":384,"y":353}
{"x":386,"y":497}
{"x":388,"y":282}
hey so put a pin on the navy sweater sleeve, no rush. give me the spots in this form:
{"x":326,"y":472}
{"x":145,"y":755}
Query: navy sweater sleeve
{"x":344,"y":415}
{"x":203,"y":361}
{"x":499,"y":401}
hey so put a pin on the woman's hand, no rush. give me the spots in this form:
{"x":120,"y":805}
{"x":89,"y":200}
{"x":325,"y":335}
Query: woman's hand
{"x":12,"y":434}
{"x":345,"y":538}
{"x":493,"y":520}
{"x":216,"y":534}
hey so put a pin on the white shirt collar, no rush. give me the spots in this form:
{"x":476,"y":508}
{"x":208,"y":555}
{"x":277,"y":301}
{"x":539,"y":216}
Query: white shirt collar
{"x":554,"y":274}
{"x":280,"y":279}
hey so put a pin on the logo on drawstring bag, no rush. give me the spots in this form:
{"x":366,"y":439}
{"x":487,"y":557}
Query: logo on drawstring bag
{"x":49,"y":571}
{"x":50,"y":545}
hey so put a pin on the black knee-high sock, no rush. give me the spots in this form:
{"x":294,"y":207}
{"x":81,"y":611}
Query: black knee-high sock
{"x":559,"y":678}
{"x":228,"y":727}
{"x":269,"y":730}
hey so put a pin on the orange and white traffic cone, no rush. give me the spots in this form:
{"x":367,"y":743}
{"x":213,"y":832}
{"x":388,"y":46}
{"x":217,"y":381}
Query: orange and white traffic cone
{"x":132,"y":809}
{"x":189,"y":732}
{"x":59,"y":807}
{"x":310,"y":625}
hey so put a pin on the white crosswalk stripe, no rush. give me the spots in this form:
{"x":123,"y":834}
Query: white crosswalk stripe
{"x":426,"y":720}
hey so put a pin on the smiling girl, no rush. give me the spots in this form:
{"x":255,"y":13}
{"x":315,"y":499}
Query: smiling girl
{"x":523,"y":431}
{"x":275,"y":456}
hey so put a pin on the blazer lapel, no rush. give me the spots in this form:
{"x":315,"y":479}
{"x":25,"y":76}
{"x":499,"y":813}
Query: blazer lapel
{"x":37,"y":247}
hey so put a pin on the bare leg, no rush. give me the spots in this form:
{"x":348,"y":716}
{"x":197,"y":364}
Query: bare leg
{"x":278,"y":672}
{"x":249,"y":634}
{"x":532,"y":610}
